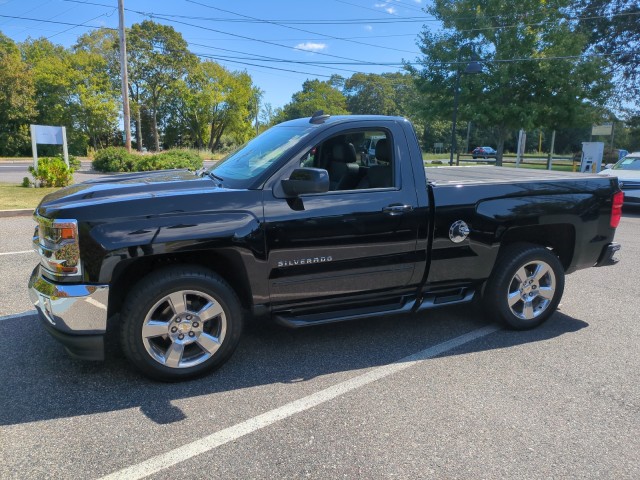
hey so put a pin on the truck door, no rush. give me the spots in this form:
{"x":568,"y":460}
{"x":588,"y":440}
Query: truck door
{"x":358,"y":237}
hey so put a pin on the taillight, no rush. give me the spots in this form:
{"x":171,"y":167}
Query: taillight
{"x":616,"y":209}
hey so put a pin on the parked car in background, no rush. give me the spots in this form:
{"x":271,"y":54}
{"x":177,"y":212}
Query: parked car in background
{"x":628,"y":172}
{"x":484,"y":152}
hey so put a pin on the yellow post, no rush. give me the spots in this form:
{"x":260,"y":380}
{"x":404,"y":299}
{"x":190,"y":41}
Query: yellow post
{"x":539,"y":142}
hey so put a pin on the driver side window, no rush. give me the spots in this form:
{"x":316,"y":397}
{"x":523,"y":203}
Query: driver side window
{"x":361,"y":159}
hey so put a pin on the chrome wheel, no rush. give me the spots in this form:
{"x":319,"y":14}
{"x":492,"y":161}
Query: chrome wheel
{"x":184,"y":328}
{"x":531,"y":290}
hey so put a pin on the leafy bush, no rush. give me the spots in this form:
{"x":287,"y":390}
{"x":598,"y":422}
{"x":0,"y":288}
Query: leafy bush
{"x":52,"y":172}
{"x":170,"y":159}
{"x":114,"y":159}
{"x":26,"y":182}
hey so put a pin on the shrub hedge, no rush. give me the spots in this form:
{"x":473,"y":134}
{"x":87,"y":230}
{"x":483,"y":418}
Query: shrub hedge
{"x":117,"y":159}
{"x":113,"y":159}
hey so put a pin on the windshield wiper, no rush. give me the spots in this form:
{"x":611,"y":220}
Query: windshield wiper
{"x":215,"y":177}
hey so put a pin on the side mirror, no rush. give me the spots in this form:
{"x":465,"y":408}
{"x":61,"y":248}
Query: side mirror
{"x":608,"y":166}
{"x":306,"y":180}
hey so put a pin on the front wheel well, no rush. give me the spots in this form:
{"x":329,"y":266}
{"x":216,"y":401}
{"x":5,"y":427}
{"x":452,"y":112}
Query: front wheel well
{"x":560,"y":238}
{"x":129,"y":272}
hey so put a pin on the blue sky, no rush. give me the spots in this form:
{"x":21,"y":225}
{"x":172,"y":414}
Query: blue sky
{"x":235,"y":34}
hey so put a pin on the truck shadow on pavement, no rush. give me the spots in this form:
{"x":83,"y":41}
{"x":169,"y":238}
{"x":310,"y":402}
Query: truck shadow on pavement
{"x":38,"y":381}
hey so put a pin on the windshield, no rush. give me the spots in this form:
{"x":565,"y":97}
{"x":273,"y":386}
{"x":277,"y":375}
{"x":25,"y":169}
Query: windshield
{"x":628,"y":163}
{"x":245,"y":165}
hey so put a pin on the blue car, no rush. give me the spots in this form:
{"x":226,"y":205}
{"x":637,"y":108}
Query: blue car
{"x":484,"y":152}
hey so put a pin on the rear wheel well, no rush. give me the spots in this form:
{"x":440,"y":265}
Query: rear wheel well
{"x":130,"y":272}
{"x":560,"y":238}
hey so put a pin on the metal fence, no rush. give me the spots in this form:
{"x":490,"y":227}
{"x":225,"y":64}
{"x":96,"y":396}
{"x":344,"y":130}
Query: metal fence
{"x":548,"y":161}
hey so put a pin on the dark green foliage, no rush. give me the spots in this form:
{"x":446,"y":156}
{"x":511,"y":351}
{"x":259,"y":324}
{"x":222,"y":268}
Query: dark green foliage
{"x":114,"y":159}
{"x":26,"y":182}
{"x":52,"y":172}
{"x":613,"y":29}
{"x":169,"y":159}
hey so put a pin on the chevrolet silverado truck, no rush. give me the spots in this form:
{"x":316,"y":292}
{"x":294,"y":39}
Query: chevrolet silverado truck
{"x":299,"y":228}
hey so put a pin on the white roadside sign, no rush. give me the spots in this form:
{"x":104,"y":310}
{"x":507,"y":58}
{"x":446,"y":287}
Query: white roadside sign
{"x":48,"y":135}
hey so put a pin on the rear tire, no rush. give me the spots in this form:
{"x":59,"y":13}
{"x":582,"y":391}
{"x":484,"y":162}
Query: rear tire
{"x":180,"y":322}
{"x":525,"y":287}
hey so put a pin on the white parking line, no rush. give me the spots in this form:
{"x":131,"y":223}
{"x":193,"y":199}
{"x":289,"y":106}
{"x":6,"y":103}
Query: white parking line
{"x":17,"y":253}
{"x":210,"y":442}
{"x":16,"y":315}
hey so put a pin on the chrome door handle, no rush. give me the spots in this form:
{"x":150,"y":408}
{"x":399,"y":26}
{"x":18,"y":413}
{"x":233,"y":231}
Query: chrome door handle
{"x":397,"y":209}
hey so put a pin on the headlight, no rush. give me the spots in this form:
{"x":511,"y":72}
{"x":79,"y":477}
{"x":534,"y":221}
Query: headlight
{"x":56,"y":241}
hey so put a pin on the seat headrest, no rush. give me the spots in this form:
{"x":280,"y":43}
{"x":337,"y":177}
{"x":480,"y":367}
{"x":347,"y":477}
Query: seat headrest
{"x":344,"y":152}
{"x":383,"y":150}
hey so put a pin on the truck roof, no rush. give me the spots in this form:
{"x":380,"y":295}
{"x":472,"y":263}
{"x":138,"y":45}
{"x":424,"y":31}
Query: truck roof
{"x":335,"y":119}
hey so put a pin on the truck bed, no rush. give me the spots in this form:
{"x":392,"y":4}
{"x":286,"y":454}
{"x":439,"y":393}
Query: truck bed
{"x":489,"y":175}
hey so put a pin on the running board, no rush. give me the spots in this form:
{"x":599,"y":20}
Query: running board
{"x":430,"y":300}
{"x":450,"y":297}
{"x":291,"y":320}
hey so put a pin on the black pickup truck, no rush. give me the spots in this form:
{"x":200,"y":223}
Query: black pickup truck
{"x":304,"y":227}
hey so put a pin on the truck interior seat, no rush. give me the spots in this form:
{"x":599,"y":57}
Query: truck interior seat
{"x":343,"y":170}
{"x":381,"y":175}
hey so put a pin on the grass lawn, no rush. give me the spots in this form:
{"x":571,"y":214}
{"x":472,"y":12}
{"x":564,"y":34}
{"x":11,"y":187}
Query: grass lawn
{"x":13,"y":196}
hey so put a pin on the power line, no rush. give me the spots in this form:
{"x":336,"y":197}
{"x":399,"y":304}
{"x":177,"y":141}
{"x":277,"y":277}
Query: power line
{"x":254,"y":39}
{"x":362,"y":6}
{"x":263,"y":58}
{"x":300,"y":29}
{"x":265,"y":66}
{"x":343,"y":21}
{"x":356,"y":62}
{"x":81,"y":25}
{"x":53,"y":21}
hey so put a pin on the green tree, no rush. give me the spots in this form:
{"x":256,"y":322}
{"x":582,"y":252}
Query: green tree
{"x":51,"y":71}
{"x":370,"y":93}
{"x":17,"y":104}
{"x":76,"y":88}
{"x":613,"y":29}
{"x":158,"y":56}
{"x":95,"y":105}
{"x":524,"y":83}
{"x":315,"y":95}
{"x":212,"y":101}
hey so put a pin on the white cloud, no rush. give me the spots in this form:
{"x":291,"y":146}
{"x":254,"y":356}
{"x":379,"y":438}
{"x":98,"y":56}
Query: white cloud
{"x":312,"y":47}
{"x":385,"y":6}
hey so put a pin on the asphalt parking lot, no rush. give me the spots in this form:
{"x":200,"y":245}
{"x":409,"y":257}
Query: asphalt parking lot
{"x":443,"y":394}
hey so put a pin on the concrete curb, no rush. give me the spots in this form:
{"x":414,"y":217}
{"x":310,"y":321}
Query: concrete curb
{"x":22,"y":212}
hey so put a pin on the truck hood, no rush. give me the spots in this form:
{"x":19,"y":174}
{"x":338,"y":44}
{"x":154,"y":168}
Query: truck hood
{"x":129,"y":194}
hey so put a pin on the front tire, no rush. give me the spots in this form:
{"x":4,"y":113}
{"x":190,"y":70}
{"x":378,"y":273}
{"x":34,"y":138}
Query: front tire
{"x":525,"y":287}
{"x":180,"y":322}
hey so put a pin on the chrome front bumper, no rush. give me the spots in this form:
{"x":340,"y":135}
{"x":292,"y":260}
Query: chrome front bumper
{"x":76,"y":315}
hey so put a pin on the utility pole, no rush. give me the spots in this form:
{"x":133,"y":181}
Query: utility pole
{"x":124,"y":77}
{"x":257,"y":110}
{"x":466,"y":147}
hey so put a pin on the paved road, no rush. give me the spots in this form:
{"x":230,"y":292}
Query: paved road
{"x":14,"y":172}
{"x":371,"y":399}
